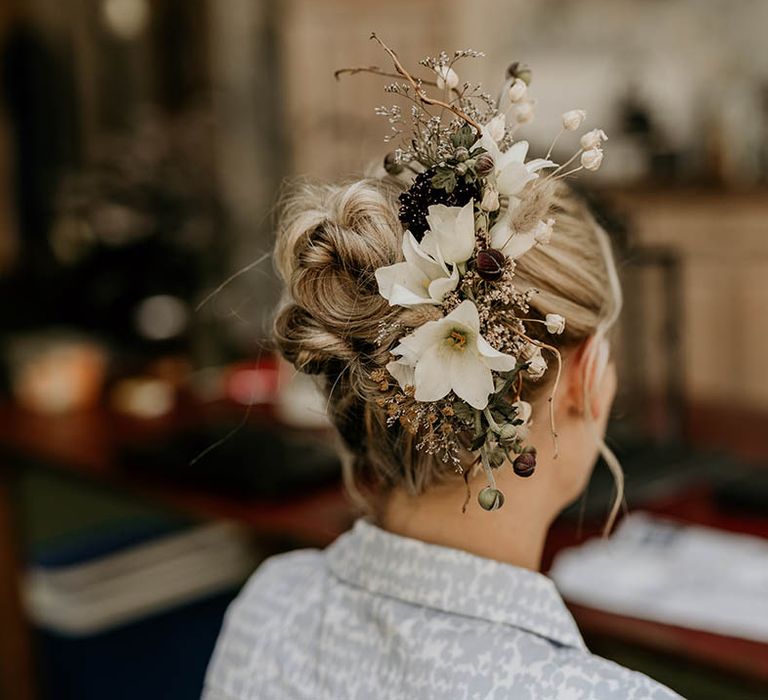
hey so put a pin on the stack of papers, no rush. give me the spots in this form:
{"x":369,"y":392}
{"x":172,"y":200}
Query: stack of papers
{"x":683,"y":575}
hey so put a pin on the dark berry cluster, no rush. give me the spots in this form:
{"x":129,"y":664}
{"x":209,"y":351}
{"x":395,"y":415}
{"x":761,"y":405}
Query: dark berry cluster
{"x":422,"y":194}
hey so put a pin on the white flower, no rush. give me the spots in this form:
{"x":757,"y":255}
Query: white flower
{"x":490,"y":200}
{"x":524,"y":113}
{"x":446,"y":77}
{"x":451,"y":235}
{"x":450,"y":354}
{"x":509,"y":242}
{"x":555,"y":323}
{"x":543,"y":231}
{"x":572,"y":119}
{"x":421,"y":279}
{"x":511,"y":171}
{"x":537,"y":365}
{"x":496,"y":127}
{"x":517,"y":90}
{"x":593,"y":139}
{"x":592,"y":158}
{"x":514,"y":244}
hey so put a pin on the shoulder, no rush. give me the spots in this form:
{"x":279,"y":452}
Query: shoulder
{"x":282,"y":587}
{"x":601,"y":679}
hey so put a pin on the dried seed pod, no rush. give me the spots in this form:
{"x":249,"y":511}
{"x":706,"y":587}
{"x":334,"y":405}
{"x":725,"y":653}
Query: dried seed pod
{"x":490,"y":264}
{"x":525,"y":464}
{"x":484,"y":164}
{"x":490,"y":498}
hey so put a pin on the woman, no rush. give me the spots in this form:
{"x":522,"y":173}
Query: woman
{"x":458,"y":322}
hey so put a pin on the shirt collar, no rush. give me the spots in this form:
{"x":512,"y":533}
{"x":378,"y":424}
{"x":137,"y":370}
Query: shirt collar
{"x":451,"y":580}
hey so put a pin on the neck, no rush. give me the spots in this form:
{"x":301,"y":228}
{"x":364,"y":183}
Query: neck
{"x":514,"y":534}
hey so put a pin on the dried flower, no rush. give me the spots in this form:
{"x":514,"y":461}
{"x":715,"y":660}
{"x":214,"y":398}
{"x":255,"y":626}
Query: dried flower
{"x":592,"y":158}
{"x":593,"y":139}
{"x":573,"y":118}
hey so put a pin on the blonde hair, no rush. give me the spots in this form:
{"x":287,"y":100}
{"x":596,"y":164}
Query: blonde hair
{"x":334,"y":323}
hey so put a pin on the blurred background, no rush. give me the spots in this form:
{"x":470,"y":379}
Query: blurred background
{"x":152,"y":448}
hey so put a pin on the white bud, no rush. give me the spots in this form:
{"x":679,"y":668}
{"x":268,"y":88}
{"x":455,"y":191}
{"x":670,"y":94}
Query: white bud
{"x":490,"y":200}
{"x":524,"y":113}
{"x":537,"y":365}
{"x":593,"y":139}
{"x":543,"y":231}
{"x":555,"y":323}
{"x":446,"y":77}
{"x":517,"y":91}
{"x":592,"y":158}
{"x":497,"y":127}
{"x":572,"y":119}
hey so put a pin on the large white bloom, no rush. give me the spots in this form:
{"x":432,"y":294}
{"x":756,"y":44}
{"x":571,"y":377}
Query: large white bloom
{"x":514,"y":244}
{"x":421,"y":279}
{"x":451,"y":235}
{"x":450,"y":354}
{"x":512,"y":173}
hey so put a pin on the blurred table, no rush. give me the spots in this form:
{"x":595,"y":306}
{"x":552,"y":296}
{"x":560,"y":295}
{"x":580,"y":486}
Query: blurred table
{"x":87,"y":446}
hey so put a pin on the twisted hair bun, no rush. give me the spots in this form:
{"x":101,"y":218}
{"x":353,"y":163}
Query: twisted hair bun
{"x":333,"y":321}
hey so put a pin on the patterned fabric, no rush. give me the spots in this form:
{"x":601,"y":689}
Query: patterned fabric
{"x":379,"y":616}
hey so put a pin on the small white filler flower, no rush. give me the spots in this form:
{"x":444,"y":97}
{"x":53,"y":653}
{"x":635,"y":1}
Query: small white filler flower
{"x":592,"y":158}
{"x":555,"y":323}
{"x":593,"y":139}
{"x":573,"y":118}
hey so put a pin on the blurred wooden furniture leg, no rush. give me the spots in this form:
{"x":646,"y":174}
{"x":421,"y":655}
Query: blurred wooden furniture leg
{"x":16,"y":677}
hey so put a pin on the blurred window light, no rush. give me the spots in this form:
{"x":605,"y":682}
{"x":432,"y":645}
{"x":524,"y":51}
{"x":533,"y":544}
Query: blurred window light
{"x":126,"y":19}
{"x":161,"y":317}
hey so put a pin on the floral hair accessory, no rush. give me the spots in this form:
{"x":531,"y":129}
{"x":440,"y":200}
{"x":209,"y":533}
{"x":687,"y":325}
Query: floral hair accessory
{"x":475,"y":204}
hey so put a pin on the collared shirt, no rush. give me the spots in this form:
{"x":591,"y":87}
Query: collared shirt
{"x":379,"y":616}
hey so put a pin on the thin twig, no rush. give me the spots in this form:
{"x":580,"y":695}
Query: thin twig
{"x":419,"y":91}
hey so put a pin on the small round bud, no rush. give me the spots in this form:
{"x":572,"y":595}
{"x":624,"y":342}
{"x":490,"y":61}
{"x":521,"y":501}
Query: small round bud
{"x":518,"y":70}
{"x":525,"y":464}
{"x":592,"y":158}
{"x":484,"y":164}
{"x":573,"y":118}
{"x":490,"y":200}
{"x":490,"y":498}
{"x":391,"y":165}
{"x":490,"y":264}
{"x":508,"y":432}
{"x":593,"y":139}
{"x":524,"y":113}
{"x":517,"y":90}
{"x":461,"y":168}
{"x":461,"y":154}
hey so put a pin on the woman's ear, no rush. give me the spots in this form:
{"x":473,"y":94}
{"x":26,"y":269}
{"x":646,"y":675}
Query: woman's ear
{"x":585,"y":374}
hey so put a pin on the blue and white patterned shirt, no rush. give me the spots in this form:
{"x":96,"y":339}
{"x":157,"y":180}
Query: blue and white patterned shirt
{"x":380,"y":616}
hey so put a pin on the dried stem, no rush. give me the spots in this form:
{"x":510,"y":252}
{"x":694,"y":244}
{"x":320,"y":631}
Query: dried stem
{"x":419,"y":91}
{"x":551,"y":398}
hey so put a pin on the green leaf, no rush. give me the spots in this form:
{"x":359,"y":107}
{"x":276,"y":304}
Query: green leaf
{"x":477,"y":442}
{"x":465,"y":136}
{"x":444,"y":179}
